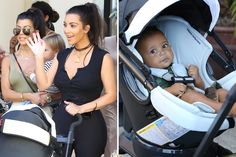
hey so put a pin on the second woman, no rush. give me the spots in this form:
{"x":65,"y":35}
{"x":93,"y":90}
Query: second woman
{"x":80,"y":72}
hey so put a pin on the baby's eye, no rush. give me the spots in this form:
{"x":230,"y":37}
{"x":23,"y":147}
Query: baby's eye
{"x":166,"y":45}
{"x":153,"y":51}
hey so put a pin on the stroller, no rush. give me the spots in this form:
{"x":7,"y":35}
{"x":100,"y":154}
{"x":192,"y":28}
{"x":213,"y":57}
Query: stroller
{"x":185,"y":23}
{"x":28,"y":131}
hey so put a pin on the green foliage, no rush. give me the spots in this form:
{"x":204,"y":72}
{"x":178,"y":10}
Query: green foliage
{"x":233,"y":13}
{"x":233,"y":8}
{"x":227,"y":13}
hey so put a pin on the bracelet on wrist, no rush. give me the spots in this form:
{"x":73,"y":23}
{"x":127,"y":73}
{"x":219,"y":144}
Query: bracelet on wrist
{"x":95,"y":106}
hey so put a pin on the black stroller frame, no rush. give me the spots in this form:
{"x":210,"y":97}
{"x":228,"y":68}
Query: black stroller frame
{"x":4,"y":106}
{"x":144,"y":112}
{"x":70,"y":137}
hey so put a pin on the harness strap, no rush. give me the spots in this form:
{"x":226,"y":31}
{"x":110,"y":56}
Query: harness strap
{"x":177,"y":74}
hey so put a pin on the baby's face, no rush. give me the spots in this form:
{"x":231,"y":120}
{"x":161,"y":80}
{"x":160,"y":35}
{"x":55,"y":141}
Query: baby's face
{"x":156,"y":51}
{"x":48,"y":54}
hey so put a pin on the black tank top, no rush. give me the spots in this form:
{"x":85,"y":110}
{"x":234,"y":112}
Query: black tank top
{"x":86,"y":85}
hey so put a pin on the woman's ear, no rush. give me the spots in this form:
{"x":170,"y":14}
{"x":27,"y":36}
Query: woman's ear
{"x":86,"y":28}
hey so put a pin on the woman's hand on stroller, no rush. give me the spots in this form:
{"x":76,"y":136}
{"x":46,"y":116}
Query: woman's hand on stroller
{"x":36,"y":44}
{"x":72,"y":108}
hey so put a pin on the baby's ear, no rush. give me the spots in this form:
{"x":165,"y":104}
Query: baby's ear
{"x":57,"y":50}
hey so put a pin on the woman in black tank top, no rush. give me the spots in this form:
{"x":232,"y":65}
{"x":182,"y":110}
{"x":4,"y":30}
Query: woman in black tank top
{"x":81,"y":73}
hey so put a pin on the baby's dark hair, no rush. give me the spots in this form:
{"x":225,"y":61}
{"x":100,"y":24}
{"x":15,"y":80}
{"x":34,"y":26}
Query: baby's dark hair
{"x":146,"y":33}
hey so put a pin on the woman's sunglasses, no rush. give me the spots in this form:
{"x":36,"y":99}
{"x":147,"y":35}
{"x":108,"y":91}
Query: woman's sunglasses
{"x":26,"y":30}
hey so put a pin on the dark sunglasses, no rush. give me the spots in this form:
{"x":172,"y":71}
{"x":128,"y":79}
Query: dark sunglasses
{"x":26,"y":30}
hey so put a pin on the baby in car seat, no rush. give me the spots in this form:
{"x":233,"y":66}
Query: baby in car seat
{"x":54,"y":43}
{"x":157,"y":54}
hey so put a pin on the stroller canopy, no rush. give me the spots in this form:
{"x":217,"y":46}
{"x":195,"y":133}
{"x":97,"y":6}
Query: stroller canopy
{"x":201,"y":14}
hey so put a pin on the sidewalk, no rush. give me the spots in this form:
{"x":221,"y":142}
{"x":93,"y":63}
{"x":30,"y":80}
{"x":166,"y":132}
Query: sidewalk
{"x":228,"y":139}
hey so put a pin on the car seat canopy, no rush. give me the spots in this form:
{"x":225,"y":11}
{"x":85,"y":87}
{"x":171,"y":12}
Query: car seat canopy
{"x":186,"y":9}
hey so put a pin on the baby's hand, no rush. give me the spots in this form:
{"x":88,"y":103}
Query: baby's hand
{"x":177,"y":89}
{"x":37,"y":45}
{"x":193,"y":71}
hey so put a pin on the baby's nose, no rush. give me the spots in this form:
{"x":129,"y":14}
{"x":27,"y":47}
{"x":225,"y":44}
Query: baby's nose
{"x":161,"y":52}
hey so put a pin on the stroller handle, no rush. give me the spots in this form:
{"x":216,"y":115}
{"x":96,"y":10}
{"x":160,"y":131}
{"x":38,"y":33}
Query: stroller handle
{"x":76,"y":123}
{"x":70,"y":137}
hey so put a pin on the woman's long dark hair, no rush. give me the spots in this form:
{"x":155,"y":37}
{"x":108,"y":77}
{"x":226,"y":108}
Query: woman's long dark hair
{"x":90,"y":15}
{"x":36,"y":16}
{"x":47,"y":10}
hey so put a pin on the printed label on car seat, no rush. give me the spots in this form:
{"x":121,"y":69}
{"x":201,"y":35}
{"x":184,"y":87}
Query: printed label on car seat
{"x":162,"y":131}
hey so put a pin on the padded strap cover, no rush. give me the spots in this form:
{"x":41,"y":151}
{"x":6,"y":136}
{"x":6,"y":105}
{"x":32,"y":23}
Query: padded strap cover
{"x":30,"y":106}
{"x":19,"y":128}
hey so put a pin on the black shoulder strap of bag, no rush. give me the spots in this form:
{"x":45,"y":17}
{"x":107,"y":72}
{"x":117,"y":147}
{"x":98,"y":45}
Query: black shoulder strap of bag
{"x":23,"y":73}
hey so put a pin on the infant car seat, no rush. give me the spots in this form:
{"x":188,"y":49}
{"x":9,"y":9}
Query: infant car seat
{"x":150,"y":107}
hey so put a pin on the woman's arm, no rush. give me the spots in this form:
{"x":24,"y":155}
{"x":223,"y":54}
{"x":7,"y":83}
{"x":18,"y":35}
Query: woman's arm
{"x":177,"y":89}
{"x":109,"y":83}
{"x":37,"y":45}
{"x":45,"y":79}
{"x":13,"y":44}
{"x":8,"y":93}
